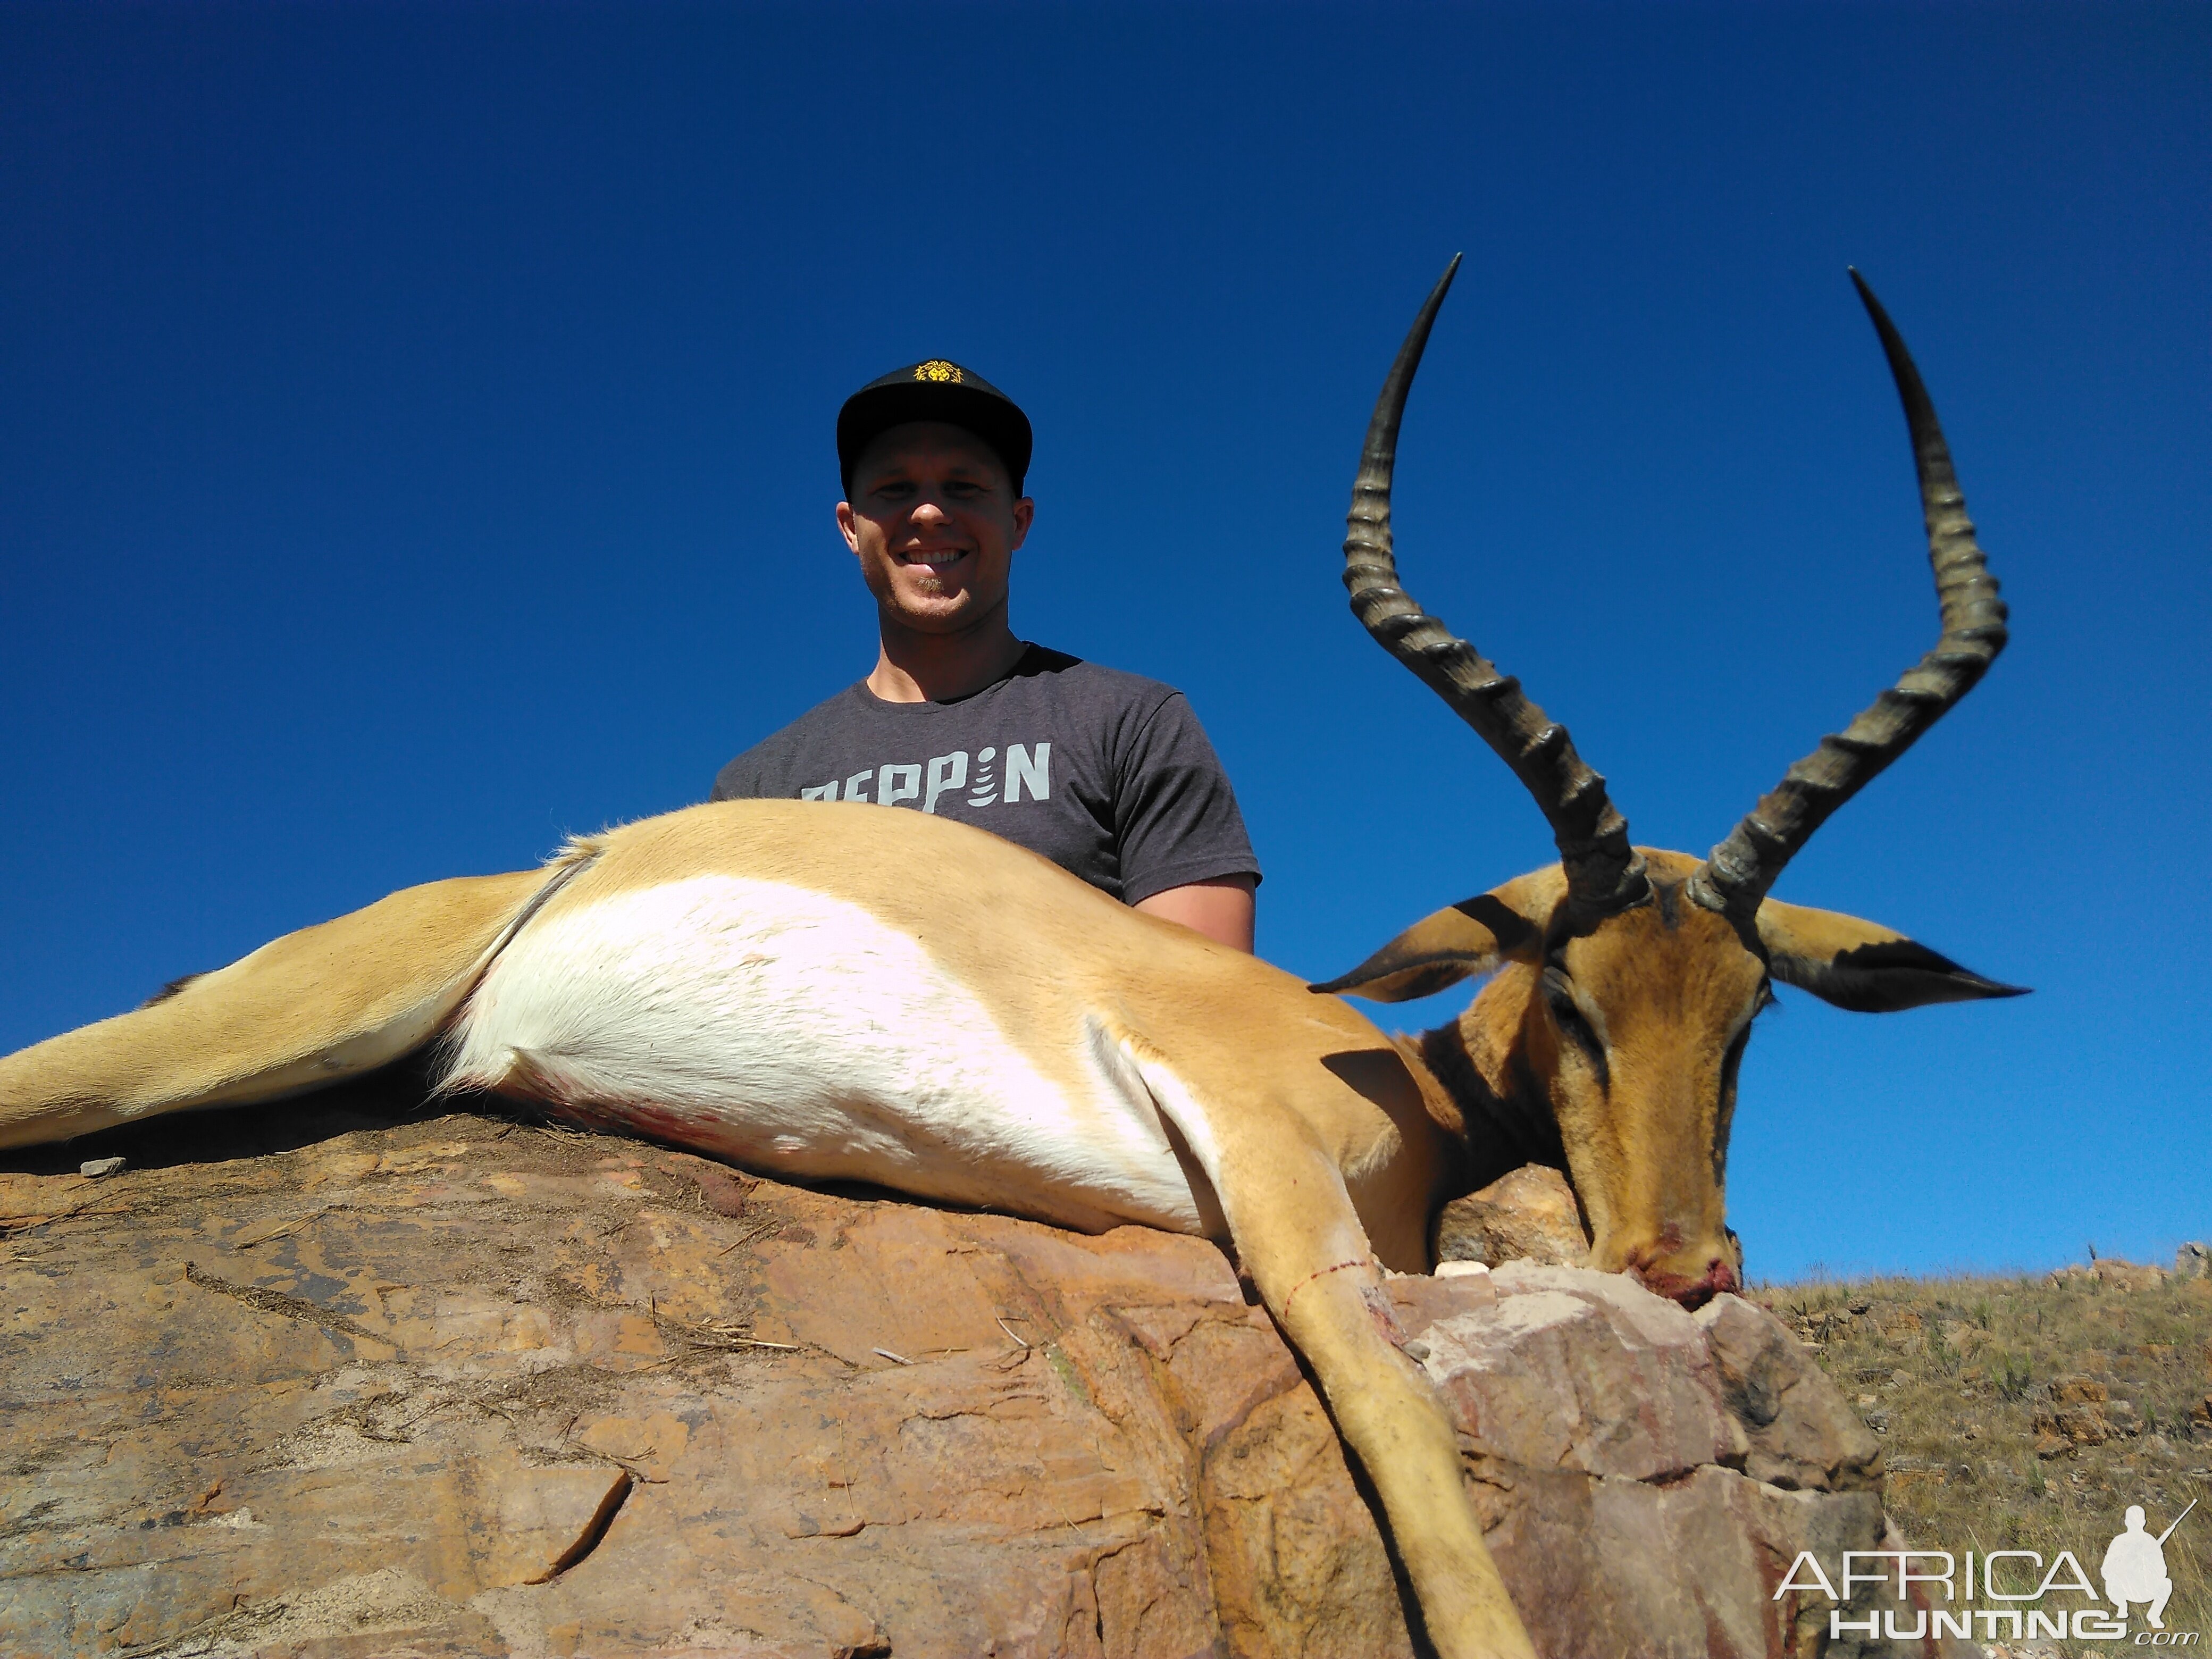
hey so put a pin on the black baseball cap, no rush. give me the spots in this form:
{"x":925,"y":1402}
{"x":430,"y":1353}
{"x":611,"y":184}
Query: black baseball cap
{"x":933,"y":391}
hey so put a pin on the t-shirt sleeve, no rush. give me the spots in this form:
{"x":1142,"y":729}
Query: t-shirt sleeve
{"x":1175,"y":817}
{"x":731,"y":783}
{"x":750,"y":776}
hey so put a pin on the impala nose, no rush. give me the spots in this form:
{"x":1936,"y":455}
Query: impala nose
{"x":1715,"y":1276}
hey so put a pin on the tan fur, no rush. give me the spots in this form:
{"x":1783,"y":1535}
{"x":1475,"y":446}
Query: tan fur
{"x":1324,"y":1146}
{"x":1668,"y":989}
{"x":1820,"y":933}
{"x":310,"y":1008}
{"x":1323,"y":1152}
{"x":1643,"y":1149}
{"x":1047,"y":946}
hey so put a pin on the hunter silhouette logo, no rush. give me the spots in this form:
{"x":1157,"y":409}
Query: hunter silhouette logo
{"x":2135,"y":1567}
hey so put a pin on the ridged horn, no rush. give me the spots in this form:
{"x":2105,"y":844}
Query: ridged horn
{"x":1605,"y":874}
{"x":1742,"y":868}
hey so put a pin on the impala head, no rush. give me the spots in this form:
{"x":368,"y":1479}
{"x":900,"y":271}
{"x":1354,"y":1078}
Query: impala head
{"x":1626,"y":978}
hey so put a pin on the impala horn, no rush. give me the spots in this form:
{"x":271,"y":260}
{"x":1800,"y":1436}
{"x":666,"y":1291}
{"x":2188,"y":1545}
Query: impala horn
{"x":1605,"y":874}
{"x":1736,"y":877}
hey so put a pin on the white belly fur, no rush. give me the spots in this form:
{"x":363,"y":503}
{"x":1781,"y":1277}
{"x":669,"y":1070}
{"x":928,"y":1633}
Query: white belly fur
{"x":796,"y":1033}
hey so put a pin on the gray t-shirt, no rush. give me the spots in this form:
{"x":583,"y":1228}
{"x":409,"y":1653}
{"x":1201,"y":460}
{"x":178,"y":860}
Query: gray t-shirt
{"x":1108,"y":775}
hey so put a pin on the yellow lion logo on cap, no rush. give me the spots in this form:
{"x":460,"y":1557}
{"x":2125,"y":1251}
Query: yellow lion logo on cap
{"x":938,"y":369}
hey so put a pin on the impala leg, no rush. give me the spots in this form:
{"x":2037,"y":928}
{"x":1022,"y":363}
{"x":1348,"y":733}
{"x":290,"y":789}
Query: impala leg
{"x":302,"y":1012}
{"x":1301,"y":1241}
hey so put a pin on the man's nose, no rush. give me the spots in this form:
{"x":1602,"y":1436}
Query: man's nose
{"x":929,"y":510}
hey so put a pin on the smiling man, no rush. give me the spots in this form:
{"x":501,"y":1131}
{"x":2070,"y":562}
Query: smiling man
{"x":1106,"y":773}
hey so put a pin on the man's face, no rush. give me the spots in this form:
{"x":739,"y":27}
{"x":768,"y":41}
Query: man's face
{"x":935,"y":524}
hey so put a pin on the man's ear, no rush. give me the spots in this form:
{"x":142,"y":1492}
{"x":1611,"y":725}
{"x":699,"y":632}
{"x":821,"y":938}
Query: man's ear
{"x":1473,"y":936}
{"x":1862,"y":966}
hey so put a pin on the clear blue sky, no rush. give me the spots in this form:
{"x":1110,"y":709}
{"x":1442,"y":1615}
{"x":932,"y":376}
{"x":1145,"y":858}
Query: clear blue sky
{"x":417,"y":445}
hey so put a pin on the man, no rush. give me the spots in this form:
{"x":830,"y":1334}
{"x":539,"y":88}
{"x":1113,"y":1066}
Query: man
{"x":1106,"y":773}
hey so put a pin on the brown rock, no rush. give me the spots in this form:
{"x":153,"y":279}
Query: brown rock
{"x":2079,"y":1425}
{"x":1802,"y":1436}
{"x":1529,"y":1215}
{"x":1613,"y":1437}
{"x":466,"y":1388}
{"x":2080,"y":1414}
{"x":2131,"y":1276}
{"x":2109,"y":1271}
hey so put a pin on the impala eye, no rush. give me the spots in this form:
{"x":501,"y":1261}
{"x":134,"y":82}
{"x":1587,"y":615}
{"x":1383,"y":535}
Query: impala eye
{"x":1569,"y":1017}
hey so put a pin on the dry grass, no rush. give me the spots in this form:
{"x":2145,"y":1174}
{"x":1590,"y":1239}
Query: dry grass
{"x":1984,"y":1391}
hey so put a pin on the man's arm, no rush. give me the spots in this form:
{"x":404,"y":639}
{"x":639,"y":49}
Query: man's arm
{"x":1185,"y":856}
{"x":1222,"y":910}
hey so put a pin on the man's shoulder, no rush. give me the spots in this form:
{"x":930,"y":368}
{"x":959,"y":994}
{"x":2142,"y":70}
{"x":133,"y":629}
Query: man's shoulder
{"x":1079,"y":677}
{"x":755,"y":772}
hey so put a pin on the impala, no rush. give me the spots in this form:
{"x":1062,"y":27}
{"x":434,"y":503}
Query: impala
{"x":826,"y":991}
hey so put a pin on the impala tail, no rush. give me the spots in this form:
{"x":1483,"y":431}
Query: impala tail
{"x":303,"y":1011}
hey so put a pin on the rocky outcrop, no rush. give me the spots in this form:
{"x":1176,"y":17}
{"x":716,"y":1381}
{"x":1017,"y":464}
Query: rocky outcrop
{"x":463,"y":1386}
{"x":1530,"y":1214}
{"x":2118,"y":1275}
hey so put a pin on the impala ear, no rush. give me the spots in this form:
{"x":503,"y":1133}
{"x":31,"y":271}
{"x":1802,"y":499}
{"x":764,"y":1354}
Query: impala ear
{"x":1473,"y":936}
{"x":1862,"y":966}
